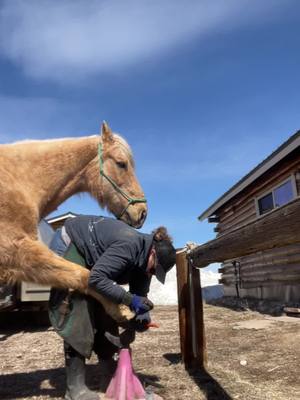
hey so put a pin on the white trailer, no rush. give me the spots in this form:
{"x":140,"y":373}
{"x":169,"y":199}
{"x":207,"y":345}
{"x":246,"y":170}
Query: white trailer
{"x":28,"y":295}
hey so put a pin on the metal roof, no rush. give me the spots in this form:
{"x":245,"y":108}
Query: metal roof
{"x":285,"y":149}
{"x":61,"y":217}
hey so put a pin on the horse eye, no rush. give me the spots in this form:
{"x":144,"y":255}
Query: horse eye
{"x":122,"y":164}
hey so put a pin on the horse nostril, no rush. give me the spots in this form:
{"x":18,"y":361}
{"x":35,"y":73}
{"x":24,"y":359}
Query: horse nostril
{"x":143,"y":216}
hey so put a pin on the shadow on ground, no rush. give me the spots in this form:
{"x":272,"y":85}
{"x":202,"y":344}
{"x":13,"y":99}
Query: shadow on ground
{"x":51,"y":382}
{"x":48,"y":382}
{"x":269,"y":307}
{"x":24,"y":320}
{"x":14,"y":322}
{"x":208,"y":385}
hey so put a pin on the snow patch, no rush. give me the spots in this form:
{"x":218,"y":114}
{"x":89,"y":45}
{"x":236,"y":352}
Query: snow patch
{"x":167,"y":294}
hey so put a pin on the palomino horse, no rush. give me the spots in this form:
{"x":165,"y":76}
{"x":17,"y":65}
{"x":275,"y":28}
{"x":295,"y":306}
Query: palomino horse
{"x":37,"y":176}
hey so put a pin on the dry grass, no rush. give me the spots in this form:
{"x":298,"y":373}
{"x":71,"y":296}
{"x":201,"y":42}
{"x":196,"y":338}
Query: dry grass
{"x":31,"y":362}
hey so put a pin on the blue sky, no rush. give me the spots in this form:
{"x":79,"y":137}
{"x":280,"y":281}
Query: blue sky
{"x":202,"y":90}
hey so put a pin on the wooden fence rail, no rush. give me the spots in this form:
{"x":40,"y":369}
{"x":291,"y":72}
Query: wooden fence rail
{"x":279,"y":228}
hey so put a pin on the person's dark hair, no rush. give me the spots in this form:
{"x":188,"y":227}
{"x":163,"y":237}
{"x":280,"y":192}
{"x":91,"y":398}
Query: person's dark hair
{"x":165,"y":251}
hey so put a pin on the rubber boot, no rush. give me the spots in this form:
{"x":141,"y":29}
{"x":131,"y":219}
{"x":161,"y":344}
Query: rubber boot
{"x":75,"y":372}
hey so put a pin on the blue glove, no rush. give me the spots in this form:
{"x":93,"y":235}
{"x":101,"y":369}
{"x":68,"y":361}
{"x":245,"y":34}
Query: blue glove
{"x":140,"y":305}
{"x":140,"y":322}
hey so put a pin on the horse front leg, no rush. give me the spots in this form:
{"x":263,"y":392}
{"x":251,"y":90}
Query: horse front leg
{"x":119,"y":312}
{"x":34,"y":262}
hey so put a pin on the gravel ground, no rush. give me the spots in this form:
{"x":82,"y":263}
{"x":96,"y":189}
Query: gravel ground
{"x":250,"y":356}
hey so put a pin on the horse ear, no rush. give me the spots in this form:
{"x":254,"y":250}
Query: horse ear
{"x":106,"y":132}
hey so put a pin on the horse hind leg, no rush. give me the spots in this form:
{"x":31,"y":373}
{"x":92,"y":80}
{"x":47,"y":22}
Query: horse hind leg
{"x":37,"y":264}
{"x":34,"y":262}
{"x":8,"y":276}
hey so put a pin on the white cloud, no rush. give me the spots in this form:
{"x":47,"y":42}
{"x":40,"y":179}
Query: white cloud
{"x":67,"y":40}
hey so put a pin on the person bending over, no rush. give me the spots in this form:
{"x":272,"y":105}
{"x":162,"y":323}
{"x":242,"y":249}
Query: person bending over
{"x":116,"y":254}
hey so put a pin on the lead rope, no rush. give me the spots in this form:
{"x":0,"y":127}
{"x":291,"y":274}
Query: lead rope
{"x":131,"y":200}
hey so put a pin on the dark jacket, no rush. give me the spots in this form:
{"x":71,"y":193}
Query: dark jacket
{"x":114,"y":252}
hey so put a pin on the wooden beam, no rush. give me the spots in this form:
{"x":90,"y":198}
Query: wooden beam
{"x":190,"y":309}
{"x":278,"y":228}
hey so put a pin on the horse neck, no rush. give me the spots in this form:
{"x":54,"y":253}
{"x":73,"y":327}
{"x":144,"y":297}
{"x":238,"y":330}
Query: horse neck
{"x":56,"y":169}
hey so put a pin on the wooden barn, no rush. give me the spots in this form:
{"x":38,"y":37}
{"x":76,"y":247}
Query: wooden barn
{"x":257,"y":230}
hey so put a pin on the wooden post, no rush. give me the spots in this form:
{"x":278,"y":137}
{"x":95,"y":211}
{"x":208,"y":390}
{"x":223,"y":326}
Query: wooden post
{"x":190,"y":309}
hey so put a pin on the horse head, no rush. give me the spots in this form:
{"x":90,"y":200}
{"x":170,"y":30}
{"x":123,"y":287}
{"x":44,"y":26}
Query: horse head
{"x":112,"y":181}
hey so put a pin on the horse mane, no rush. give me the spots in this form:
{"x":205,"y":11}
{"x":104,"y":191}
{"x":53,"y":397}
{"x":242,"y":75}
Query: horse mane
{"x":124,"y":144}
{"x":43,"y":142}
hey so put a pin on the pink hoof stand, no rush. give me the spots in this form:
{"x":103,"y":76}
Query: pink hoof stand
{"x":125,"y":385}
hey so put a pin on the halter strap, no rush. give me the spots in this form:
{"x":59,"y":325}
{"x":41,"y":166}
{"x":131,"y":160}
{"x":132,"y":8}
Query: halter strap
{"x":131,"y":200}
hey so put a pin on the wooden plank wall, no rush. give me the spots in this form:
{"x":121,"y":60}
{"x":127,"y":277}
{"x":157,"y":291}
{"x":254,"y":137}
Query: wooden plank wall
{"x":275,"y":267}
{"x":279,"y":266}
{"x":242,"y":210}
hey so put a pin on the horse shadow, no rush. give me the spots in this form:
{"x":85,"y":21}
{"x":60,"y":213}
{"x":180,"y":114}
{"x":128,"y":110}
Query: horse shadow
{"x":209,"y":386}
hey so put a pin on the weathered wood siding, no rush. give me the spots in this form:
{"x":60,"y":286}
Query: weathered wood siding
{"x":242,"y":209}
{"x":270,"y":274}
{"x":275,"y":266}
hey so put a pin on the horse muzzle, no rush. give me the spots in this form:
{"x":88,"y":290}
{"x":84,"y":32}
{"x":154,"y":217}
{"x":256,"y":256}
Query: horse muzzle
{"x":134,"y":215}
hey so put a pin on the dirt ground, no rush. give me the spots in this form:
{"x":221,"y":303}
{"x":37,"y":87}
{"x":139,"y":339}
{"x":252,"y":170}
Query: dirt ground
{"x":251,"y":356}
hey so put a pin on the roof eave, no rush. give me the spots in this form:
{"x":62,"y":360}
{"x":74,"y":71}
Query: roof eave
{"x":285,"y":149}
